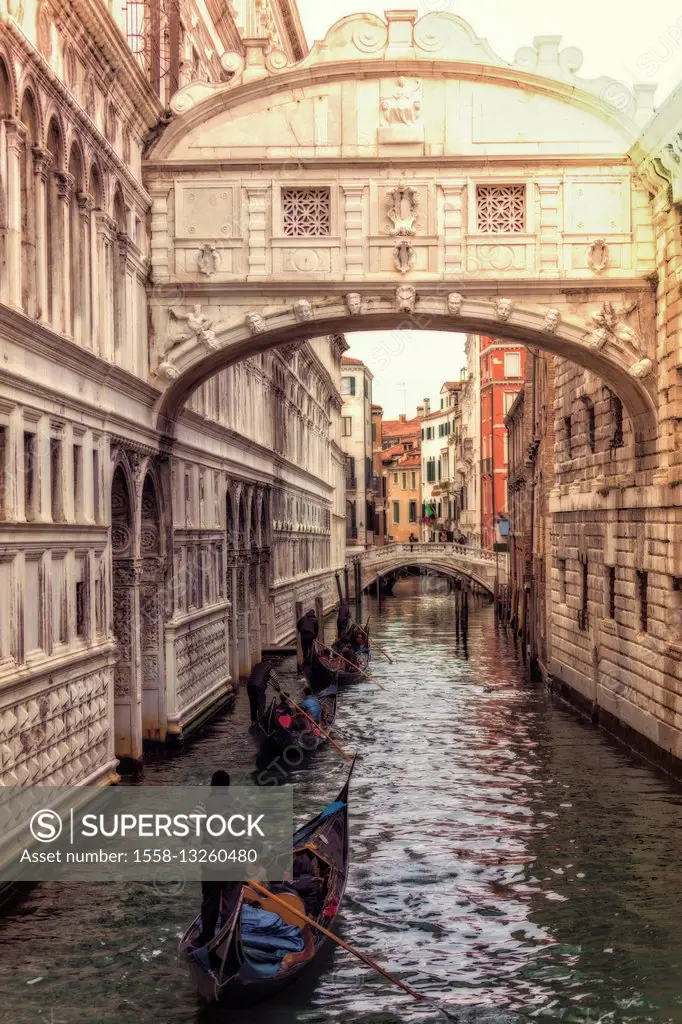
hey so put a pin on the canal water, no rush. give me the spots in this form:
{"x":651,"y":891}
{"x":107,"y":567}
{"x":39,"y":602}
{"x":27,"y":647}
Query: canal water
{"x":507,"y":858}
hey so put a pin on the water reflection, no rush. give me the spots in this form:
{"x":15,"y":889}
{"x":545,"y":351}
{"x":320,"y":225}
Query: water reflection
{"x":505,"y":857}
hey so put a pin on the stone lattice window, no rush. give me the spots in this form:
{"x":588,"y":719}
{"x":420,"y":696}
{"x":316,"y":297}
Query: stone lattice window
{"x":501,"y":209}
{"x":306,"y":212}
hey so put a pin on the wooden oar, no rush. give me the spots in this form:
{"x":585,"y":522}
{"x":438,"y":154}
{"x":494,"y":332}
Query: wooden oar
{"x":356,"y":668}
{"x":326,"y":735}
{"x":350,"y":949}
{"x":375,"y":644}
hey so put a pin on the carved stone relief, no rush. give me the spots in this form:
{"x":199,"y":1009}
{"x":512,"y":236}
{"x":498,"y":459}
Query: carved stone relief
{"x":208,"y":259}
{"x":404,"y":256}
{"x":406,"y":297}
{"x":403,"y":201}
{"x":401,"y":113}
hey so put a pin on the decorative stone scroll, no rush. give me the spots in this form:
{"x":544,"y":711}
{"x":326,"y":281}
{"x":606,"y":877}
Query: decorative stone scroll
{"x":208,"y":260}
{"x":403,"y":201}
{"x":168,"y":371}
{"x":642,"y":369}
{"x":598,"y":255}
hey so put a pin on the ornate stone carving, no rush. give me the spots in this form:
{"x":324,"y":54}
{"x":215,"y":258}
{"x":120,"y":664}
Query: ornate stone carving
{"x":404,"y":256}
{"x":255,"y":323}
{"x":598,"y":255}
{"x":208,"y":260}
{"x":406,"y":298}
{"x":353,"y":303}
{"x":303,"y":310}
{"x":504,"y":309}
{"x":454,"y":302}
{"x":608,"y":326}
{"x":552,"y":321}
{"x":642,"y":369}
{"x":200,"y":661}
{"x":199,"y":326}
{"x":404,"y":105}
{"x":168,"y":371}
{"x":403,"y":201}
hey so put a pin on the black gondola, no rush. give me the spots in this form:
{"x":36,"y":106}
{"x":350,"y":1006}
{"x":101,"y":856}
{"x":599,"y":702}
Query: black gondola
{"x":226,"y":970}
{"x":276,"y":737}
{"x":326,"y":667}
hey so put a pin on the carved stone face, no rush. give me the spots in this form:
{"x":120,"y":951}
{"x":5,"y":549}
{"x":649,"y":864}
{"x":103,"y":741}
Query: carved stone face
{"x":406,"y":296}
{"x":254,"y":323}
{"x":353,"y":302}
{"x":455,"y":301}
{"x":552,"y":321}
{"x":504,"y":308}
{"x":303,"y":310}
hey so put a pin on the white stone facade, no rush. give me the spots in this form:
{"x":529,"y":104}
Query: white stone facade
{"x":468,"y":445}
{"x":356,"y":442}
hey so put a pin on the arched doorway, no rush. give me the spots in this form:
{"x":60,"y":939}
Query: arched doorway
{"x":151,"y":616}
{"x":127,"y":725}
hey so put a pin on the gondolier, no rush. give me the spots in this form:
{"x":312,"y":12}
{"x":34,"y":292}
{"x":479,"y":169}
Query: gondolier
{"x":342,"y":618}
{"x":212,"y":892}
{"x":309,"y":628}
{"x":256,"y":688}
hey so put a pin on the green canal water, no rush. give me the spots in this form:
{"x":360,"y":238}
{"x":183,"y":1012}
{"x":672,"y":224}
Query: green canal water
{"x":507,"y":858}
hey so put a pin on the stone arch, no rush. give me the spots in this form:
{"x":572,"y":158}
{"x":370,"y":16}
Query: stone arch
{"x":30,"y":117}
{"x":264,"y":519}
{"x":230,"y":519}
{"x":95,"y":185}
{"x":77,"y":247}
{"x":371,"y":576}
{"x":151,"y":609}
{"x":7,"y":87}
{"x":127,"y":736}
{"x":253,"y":518}
{"x":616,"y":353}
{"x":242,"y":518}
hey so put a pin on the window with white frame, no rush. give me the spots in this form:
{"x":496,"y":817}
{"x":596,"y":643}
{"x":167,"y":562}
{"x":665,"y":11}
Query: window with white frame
{"x":512,"y":364}
{"x":306,"y":212}
{"x":501,"y":209}
{"x":509,"y":399}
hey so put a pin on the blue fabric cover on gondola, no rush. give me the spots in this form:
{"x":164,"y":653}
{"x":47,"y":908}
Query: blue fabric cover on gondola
{"x":266,"y":940}
{"x":330,"y":809}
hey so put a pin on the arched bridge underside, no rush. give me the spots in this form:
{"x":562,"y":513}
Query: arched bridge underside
{"x":481,"y":567}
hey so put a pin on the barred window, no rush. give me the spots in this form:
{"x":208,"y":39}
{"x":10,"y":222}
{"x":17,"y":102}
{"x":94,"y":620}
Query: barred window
{"x":501,"y":209}
{"x":306,"y":212}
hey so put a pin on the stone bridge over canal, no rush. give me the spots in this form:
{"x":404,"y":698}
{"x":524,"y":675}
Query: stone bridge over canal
{"x":475,"y":564}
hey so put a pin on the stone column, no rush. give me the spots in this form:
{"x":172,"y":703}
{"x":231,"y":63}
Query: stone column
{"x":549,"y":236}
{"x":15,"y":133}
{"x":42,"y":161}
{"x":65,"y":183}
{"x":354,"y":228}
{"x":106,"y":232}
{"x":127,"y":573}
{"x":257,"y":193}
{"x":85,"y":208}
{"x":95,"y":256}
{"x":454,"y":227}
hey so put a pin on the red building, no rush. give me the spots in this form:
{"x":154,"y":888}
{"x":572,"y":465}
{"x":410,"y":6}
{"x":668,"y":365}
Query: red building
{"x":502,"y":374}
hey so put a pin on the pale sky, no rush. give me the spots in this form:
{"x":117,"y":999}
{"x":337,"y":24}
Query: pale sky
{"x":408,"y":365}
{"x":619,"y":39}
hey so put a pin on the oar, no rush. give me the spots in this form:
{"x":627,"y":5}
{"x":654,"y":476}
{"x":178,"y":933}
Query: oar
{"x":356,"y":668}
{"x":375,"y":644}
{"x":333,"y":742}
{"x":350,"y":949}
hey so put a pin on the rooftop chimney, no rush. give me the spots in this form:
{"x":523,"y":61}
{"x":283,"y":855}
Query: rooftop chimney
{"x":402,"y":417}
{"x":427,"y":406}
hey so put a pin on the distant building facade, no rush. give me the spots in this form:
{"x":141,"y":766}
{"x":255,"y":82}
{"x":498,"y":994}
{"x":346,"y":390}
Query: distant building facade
{"x":439,"y":486}
{"x":356,"y":442}
{"x":468,"y":445}
{"x":502,"y":368}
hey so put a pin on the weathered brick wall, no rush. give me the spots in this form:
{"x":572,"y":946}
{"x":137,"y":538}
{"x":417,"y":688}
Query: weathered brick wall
{"x":616,"y":534}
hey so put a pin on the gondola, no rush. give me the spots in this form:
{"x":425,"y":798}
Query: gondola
{"x":275,"y":737}
{"x":326,"y":668}
{"x":229,"y":970}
